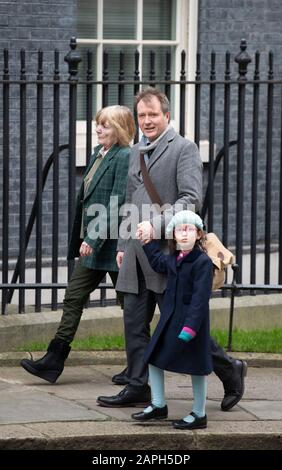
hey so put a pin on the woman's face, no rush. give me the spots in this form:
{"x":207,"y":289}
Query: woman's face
{"x":106,"y":135}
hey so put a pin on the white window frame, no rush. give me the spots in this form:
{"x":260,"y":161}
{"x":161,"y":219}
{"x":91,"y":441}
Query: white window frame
{"x":186,"y":38}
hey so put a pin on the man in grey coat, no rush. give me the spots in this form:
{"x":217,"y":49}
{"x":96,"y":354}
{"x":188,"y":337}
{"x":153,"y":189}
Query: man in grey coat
{"x":175,"y":169}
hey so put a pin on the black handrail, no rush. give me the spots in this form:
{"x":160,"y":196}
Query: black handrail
{"x":233,"y":286}
{"x":32,"y":218}
{"x":218,"y":158}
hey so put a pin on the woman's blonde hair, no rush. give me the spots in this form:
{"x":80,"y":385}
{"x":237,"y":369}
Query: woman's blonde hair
{"x":121,"y":119}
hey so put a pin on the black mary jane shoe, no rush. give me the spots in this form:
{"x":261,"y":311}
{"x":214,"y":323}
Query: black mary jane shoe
{"x":156,"y":413}
{"x":198,"y":423}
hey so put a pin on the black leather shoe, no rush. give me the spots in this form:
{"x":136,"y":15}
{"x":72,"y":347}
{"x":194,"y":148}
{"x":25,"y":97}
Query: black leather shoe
{"x":156,"y":413}
{"x":129,"y":396}
{"x":235,"y":387}
{"x":199,"y":423}
{"x":121,"y":378}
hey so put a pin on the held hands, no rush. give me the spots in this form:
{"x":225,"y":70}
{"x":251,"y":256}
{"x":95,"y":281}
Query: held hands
{"x":85,"y":249}
{"x":145,"y":232}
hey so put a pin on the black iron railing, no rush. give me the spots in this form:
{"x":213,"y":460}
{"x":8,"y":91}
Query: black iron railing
{"x":243,"y":180}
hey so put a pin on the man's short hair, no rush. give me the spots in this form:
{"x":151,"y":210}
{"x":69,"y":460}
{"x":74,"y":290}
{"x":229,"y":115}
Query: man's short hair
{"x":147,"y":94}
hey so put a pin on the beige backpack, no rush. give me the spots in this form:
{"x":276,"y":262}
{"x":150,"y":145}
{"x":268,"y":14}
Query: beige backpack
{"x":220,"y":256}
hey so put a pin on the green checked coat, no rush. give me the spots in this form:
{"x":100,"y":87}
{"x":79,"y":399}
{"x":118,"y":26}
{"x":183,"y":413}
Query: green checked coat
{"x":109,"y":180}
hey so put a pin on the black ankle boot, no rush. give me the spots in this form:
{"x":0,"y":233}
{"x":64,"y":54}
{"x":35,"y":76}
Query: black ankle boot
{"x":50,"y":366}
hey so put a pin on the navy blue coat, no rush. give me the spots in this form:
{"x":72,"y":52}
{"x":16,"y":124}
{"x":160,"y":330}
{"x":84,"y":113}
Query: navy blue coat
{"x":185,"y":303}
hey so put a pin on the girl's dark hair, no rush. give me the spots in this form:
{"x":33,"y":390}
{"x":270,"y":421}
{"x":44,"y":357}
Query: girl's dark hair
{"x":199,"y":243}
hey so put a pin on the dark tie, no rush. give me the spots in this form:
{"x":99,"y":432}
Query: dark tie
{"x":149,"y":153}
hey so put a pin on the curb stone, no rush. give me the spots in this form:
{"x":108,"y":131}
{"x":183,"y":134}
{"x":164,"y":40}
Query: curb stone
{"x":11,"y":359}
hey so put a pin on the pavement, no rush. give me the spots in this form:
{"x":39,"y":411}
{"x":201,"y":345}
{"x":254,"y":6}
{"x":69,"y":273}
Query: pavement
{"x":35,"y":415}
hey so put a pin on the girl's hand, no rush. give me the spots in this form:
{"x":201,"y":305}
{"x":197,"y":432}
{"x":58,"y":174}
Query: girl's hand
{"x":145,"y":232}
{"x":186,"y":334}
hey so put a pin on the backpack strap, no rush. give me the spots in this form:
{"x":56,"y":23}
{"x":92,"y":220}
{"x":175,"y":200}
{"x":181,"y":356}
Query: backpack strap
{"x":150,"y":188}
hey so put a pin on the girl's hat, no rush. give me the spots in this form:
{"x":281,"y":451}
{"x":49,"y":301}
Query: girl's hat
{"x":184,"y":217}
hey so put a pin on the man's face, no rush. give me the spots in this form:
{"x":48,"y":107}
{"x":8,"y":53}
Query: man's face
{"x":152,"y":121}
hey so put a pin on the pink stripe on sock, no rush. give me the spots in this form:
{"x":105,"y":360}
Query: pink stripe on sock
{"x":189,"y":330}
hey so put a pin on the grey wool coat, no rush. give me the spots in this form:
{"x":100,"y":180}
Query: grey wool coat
{"x":185,"y":303}
{"x":175,"y":169}
{"x":108,"y":181}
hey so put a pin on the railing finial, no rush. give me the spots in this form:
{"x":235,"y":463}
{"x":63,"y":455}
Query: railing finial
{"x":73,"y":58}
{"x":243,"y":59}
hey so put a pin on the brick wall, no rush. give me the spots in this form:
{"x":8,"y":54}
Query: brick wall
{"x":48,"y":25}
{"x":31,"y":25}
{"x":222,"y":24}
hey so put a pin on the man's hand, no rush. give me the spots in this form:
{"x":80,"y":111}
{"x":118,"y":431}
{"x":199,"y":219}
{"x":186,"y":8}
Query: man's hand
{"x":119,"y":258}
{"x":145,"y":232}
{"x":85,"y":249}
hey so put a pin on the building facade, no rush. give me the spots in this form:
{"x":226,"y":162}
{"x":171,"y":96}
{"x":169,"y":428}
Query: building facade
{"x":164,"y":27}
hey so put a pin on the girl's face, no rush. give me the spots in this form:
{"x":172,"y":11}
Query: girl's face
{"x":106,"y":135}
{"x":186,"y":235}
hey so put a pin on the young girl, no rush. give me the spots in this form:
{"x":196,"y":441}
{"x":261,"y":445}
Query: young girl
{"x":181,"y":341}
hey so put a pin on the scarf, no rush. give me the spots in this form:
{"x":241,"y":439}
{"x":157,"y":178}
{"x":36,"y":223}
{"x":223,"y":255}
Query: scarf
{"x":143,"y":145}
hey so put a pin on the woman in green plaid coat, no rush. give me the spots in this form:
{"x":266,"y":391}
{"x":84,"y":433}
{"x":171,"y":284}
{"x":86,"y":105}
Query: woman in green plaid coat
{"x":94,"y":236}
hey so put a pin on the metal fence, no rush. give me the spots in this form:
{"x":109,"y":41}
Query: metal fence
{"x":238,"y":114}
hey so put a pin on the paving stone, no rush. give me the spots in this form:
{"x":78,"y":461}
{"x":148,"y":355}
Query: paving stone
{"x":28,"y":407}
{"x":37,"y":415}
